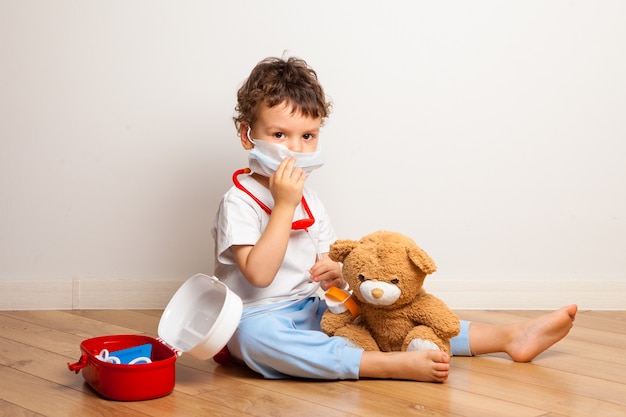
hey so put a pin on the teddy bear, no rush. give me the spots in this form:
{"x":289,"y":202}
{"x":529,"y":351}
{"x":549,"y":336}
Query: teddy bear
{"x":385,"y":271}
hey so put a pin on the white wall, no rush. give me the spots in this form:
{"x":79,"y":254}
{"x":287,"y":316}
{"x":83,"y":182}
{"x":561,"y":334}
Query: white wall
{"x":491,"y":132}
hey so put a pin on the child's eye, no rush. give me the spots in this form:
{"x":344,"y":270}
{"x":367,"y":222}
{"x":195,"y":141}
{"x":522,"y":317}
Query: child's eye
{"x":308,"y":136}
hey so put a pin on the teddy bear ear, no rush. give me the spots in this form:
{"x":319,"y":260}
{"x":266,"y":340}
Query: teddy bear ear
{"x":341,"y":248}
{"x":421,"y":259}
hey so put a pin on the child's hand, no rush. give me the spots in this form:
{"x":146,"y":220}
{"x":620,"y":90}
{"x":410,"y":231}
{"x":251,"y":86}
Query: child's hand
{"x":287,"y":184}
{"x":327,"y":272}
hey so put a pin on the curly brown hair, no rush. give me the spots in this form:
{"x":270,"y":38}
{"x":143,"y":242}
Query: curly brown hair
{"x":276,"y":80}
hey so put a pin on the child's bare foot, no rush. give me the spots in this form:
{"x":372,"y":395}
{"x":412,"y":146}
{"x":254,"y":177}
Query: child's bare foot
{"x":428,"y":366}
{"x":417,"y":365}
{"x":529,"y":338}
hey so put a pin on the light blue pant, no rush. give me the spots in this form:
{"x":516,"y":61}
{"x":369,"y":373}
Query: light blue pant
{"x":288,"y":342}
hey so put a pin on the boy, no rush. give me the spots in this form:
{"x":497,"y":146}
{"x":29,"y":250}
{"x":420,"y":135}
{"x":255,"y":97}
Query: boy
{"x":272,"y":236}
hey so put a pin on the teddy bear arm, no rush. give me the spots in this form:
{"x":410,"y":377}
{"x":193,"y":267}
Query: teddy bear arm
{"x":434,"y":313}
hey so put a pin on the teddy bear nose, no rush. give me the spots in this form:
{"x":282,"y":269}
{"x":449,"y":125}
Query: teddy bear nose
{"x":377,"y":293}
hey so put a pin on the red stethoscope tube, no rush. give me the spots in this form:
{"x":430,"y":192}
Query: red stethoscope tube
{"x":302,"y":224}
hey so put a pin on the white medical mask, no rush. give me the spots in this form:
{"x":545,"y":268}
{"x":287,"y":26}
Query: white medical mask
{"x":265,"y":157}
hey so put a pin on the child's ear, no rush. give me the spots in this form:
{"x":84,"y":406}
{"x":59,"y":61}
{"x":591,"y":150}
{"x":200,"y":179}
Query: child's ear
{"x":243,"y":136}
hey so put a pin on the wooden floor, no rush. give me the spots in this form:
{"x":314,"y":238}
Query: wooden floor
{"x":583,"y":375}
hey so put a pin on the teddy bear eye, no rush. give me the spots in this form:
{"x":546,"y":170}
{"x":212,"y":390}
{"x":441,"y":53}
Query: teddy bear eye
{"x":395,"y":281}
{"x":362,"y":277}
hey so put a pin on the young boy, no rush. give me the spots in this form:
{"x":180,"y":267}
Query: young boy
{"x":272,"y":236}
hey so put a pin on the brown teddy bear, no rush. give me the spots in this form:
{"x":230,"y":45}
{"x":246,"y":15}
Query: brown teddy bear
{"x":385,"y":271}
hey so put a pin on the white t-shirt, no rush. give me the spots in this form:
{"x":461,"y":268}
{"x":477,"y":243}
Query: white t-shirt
{"x":241,"y":221}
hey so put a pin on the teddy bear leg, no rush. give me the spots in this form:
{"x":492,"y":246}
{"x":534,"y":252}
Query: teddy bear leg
{"x":424,"y":338}
{"x":331,"y":322}
{"x":359,"y":336}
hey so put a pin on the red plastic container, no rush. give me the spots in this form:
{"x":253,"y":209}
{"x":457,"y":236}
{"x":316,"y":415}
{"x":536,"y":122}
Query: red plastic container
{"x":127,"y":382}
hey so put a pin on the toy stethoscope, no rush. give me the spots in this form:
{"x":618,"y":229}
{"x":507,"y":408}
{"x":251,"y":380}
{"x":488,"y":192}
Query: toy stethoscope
{"x":302,"y":224}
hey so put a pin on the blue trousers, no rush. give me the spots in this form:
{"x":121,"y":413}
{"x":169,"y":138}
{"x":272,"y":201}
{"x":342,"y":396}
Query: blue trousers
{"x":286,"y":341}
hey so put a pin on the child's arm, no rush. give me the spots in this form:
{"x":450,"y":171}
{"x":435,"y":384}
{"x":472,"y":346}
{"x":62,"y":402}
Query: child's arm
{"x":259,"y":263}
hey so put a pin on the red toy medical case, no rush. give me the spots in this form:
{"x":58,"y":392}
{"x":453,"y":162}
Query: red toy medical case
{"x":142,"y":381}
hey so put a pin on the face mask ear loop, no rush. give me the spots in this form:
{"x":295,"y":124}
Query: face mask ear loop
{"x":248,"y":134}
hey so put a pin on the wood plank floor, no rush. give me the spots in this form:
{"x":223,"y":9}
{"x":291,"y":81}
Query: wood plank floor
{"x":583,"y":375}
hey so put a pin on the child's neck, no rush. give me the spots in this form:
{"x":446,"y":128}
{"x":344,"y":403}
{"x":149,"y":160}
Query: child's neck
{"x":263,"y":180}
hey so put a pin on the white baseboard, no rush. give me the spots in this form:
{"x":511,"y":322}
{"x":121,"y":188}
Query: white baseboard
{"x":529,"y":294}
{"x":87,"y":294}
{"x":470,"y":294}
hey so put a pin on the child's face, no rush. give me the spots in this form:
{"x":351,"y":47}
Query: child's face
{"x":278,"y":124}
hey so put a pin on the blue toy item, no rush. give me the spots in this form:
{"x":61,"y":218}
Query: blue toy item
{"x":128,"y":356}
